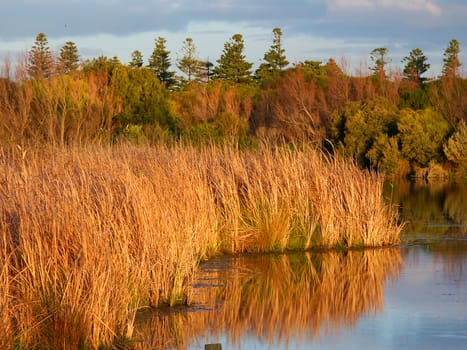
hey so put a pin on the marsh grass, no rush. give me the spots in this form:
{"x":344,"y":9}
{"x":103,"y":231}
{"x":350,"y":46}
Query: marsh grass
{"x":91,"y":235}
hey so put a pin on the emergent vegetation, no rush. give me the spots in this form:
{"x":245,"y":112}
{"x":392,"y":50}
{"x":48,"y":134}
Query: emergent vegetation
{"x":91,"y":235}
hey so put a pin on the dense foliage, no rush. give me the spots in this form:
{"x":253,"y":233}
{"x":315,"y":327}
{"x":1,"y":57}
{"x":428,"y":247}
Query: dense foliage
{"x":397,"y":123}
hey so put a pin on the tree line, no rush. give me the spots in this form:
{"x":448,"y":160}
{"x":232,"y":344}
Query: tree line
{"x":397,"y":122}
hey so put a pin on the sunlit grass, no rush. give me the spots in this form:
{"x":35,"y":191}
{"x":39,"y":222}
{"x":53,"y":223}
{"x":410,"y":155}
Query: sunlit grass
{"x":91,"y":235}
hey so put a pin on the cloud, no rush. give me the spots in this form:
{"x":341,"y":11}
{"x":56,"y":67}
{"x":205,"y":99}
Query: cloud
{"x":427,"y":6}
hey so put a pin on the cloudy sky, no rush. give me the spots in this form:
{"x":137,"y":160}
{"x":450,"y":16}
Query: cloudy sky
{"x":313,"y":29}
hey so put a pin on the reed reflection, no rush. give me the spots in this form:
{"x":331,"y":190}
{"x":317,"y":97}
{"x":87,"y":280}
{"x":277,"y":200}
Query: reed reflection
{"x":276,"y":298}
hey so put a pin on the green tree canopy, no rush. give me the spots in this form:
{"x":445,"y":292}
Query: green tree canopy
{"x":380,"y":59}
{"x":69,"y":57}
{"x":456,"y":147}
{"x":189,"y":63}
{"x":357,"y":127}
{"x":416,"y":65}
{"x":451,"y":60}
{"x":144,"y":100}
{"x":160,"y":63}
{"x":102,"y":64}
{"x":40,"y":60}
{"x":232,"y":65}
{"x":422,"y":134}
{"x":275,"y":59}
{"x":136,"y":59}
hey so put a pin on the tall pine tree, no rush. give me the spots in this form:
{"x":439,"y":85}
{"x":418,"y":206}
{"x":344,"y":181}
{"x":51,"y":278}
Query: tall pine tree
{"x":189,"y":63}
{"x":69,"y":58}
{"x":232,"y":65}
{"x":379,"y":57}
{"x":416,"y":66}
{"x":40,"y":62}
{"x":136,"y":59}
{"x":452,"y":64}
{"x":275,"y":59}
{"x":160,"y":63}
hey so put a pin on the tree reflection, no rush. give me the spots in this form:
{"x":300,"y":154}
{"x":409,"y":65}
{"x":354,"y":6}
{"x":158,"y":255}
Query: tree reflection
{"x":438,"y":208}
{"x":276,"y":298}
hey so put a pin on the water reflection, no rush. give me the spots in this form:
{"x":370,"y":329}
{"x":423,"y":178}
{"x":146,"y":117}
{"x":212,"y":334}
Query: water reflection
{"x":275,"y":298}
{"x":431,"y":208}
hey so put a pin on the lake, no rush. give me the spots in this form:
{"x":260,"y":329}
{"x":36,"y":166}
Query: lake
{"x":409,"y":297}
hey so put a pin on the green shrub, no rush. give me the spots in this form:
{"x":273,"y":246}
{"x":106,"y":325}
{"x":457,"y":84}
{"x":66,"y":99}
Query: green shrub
{"x":422,"y":134}
{"x":384,"y":154}
{"x":360,"y":124}
{"x":456,"y":147}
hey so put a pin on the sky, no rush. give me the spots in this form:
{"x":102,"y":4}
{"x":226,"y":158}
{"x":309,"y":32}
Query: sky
{"x":346,"y":30}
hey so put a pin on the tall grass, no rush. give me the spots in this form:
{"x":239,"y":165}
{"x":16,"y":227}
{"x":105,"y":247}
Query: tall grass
{"x":91,"y":235}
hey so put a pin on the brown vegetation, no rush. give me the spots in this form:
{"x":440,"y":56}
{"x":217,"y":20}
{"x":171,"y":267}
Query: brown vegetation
{"x":91,"y":235}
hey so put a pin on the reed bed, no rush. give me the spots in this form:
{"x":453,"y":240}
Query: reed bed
{"x":91,"y":235}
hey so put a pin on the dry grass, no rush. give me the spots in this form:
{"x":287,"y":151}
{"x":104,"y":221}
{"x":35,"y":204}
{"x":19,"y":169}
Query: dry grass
{"x":90,"y":235}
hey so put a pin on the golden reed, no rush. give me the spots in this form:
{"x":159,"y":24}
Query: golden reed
{"x":88,"y":236}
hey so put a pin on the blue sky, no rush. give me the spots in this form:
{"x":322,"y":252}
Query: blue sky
{"x":313,"y":29}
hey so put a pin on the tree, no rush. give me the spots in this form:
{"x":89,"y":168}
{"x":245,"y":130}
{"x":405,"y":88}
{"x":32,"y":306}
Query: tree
{"x":416,"y":66}
{"x":358,"y":125}
{"x":102,"y":64}
{"x":160,"y":63}
{"x":39,"y":58}
{"x":232,"y":65}
{"x":189,"y":63}
{"x":379,"y":57}
{"x":275,"y":59}
{"x":337,"y":85}
{"x":422,"y":135}
{"x":205,"y":72}
{"x":145,"y":106}
{"x":451,"y":60}
{"x":69,"y":57}
{"x":136,"y":59}
{"x":456,"y":147}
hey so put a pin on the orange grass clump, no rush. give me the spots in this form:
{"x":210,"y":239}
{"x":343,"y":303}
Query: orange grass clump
{"x":91,"y":235}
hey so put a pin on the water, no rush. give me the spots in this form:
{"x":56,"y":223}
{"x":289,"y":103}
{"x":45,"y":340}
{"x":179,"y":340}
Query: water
{"x":410,"y":297}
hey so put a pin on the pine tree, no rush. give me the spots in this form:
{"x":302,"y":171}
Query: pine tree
{"x":189,"y":63}
{"x":416,"y":65}
{"x":451,"y":60}
{"x":136,"y":59}
{"x":379,"y":57}
{"x":206,"y":71}
{"x":69,"y":57}
{"x":39,"y":58}
{"x":232,"y":65}
{"x":160,"y":63}
{"x":275,"y":59}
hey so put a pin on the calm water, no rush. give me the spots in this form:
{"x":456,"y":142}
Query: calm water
{"x":410,"y":297}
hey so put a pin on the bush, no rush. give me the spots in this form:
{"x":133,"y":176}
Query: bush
{"x":422,"y":134}
{"x":456,"y":147}
{"x":384,"y":154}
{"x":359,"y":125}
